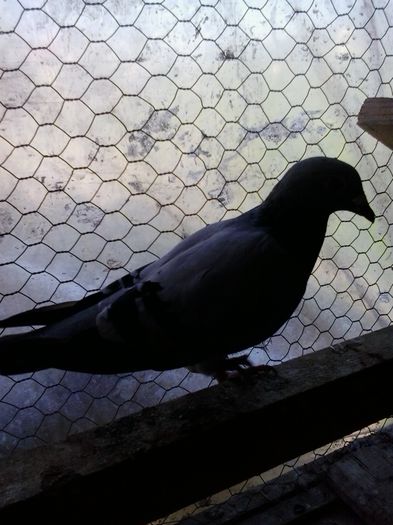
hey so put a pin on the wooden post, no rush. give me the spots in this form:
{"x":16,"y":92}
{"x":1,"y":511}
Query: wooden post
{"x":376,"y":117}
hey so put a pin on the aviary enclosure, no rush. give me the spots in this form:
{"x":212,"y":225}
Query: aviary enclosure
{"x":127,"y":125}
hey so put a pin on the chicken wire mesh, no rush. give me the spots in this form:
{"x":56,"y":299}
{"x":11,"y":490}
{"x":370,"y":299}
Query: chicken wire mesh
{"x":127,"y":125}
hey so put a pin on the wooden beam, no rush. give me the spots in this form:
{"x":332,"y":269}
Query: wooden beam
{"x":353,"y":481}
{"x":155,"y":462}
{"x":376,"y":117}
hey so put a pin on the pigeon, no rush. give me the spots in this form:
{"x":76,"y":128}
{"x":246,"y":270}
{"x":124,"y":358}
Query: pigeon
{"x":225,"y":288}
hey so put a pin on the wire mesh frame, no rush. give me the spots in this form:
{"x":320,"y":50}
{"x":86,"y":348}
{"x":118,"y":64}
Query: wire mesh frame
{"x":125,"y":126}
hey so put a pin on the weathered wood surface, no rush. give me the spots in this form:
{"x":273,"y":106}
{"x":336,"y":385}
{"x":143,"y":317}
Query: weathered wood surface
{"x":376,"y":117}
{"x":314,"y":506}
{"x":152,"y":463}
{"x":364,"y":480}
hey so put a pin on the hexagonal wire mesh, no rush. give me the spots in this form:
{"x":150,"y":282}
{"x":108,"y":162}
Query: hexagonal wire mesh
{"x":125,"y":126}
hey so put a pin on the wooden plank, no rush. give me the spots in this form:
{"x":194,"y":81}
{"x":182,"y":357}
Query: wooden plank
{"x":279,"y":500}
{"x":316,"y":505}
{"x":288,"y":514}
{"x":376,"y":117}
{"x":300,"y":505}
{"x":155,"y":462}
{"x":364,"y":480}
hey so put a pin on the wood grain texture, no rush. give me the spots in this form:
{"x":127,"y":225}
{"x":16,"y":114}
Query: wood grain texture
{"x":364,"y":480}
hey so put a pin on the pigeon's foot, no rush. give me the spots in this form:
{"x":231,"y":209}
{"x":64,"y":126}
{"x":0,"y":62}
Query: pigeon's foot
{"x":232,"y":367}
{"x":221,"y":367}
{"x":239,"y":367}
{"x":243,"y":374}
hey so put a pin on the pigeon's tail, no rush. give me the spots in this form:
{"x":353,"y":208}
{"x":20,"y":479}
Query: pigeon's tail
{"x":85,"y":352}
{"x":44,"y":315}
{"x":40,"y":349}
{"x":26,"y":352}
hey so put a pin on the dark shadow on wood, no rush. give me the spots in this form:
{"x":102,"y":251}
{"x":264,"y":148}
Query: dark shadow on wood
{"x":155,"y":462}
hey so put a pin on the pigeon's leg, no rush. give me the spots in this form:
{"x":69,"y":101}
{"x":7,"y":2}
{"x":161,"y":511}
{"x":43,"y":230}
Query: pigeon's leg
{"x":228,"y":367}
{"x":241,"y":368}
{"x":220,"y":367}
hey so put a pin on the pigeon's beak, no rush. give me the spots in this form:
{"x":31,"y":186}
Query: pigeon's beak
{"x":360,"y":206}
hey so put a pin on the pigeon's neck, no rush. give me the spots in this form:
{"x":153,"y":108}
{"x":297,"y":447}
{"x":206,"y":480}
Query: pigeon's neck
{"x":303,"y":232}
{"x":303,"y":240}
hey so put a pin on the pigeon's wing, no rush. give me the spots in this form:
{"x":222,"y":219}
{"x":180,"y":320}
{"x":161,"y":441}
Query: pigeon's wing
{"x":220,"y":264}
{"x":224,"y":291}
{"x":105,"y":326}
{"x":50,"y":314}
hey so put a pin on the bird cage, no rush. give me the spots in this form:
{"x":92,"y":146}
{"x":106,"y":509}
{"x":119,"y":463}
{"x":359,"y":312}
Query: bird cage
{"x":126,"y":126}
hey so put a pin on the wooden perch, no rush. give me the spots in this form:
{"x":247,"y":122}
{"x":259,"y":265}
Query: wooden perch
{"x":156,"y":461}
{"x":376,"y":117}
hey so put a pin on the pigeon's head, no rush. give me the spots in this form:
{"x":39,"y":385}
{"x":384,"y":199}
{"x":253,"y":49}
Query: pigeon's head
{"x":322,"y":185}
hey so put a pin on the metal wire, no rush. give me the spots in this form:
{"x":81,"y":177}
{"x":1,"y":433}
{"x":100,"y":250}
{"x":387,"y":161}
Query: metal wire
{"x":125,"y":126}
